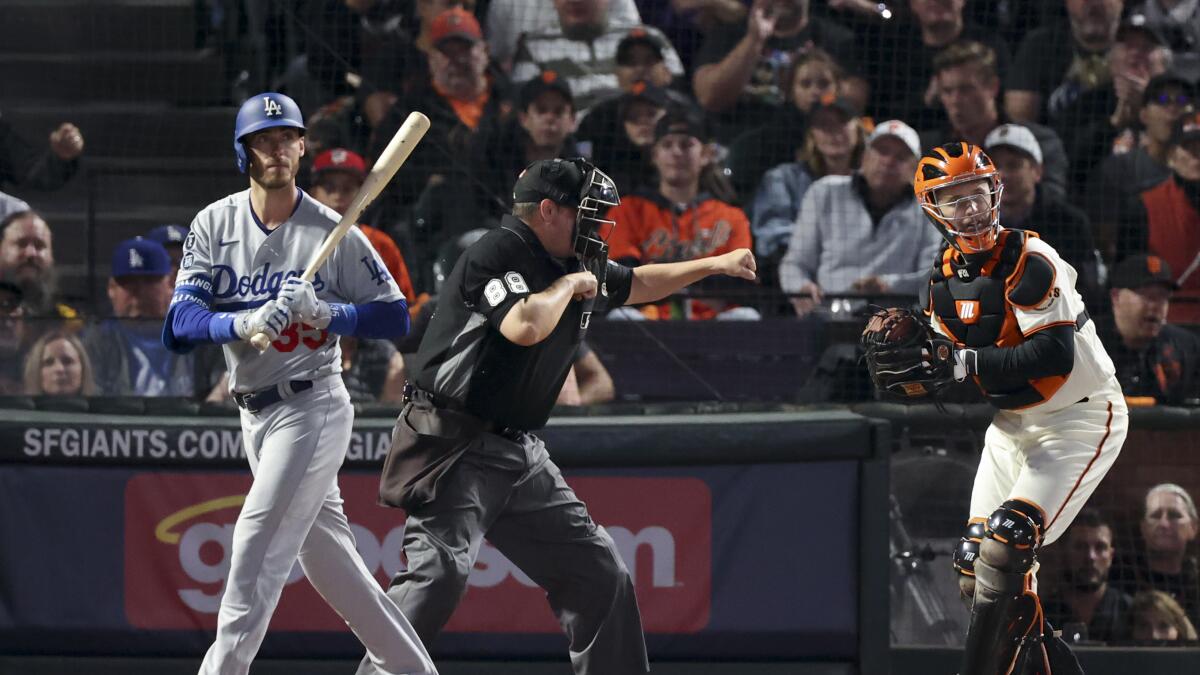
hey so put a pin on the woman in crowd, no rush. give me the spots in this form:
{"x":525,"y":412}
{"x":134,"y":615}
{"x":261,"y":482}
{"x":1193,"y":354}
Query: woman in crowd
{"x":814,"y":77}
{"x":833,"y":145}
{"x":58,"y":365}
{"x":1156,"y":617}
{"x":1167,"y":561}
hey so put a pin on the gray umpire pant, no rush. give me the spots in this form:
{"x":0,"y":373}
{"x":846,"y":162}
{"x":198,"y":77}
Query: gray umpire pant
{"x":508,"y":490}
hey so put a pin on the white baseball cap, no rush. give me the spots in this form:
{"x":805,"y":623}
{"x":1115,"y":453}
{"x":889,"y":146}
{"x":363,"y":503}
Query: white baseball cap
{"x":899,"y":130}
{"x":1014,"y":136}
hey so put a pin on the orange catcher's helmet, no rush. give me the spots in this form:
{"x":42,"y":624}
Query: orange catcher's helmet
{"x":969,"y":221}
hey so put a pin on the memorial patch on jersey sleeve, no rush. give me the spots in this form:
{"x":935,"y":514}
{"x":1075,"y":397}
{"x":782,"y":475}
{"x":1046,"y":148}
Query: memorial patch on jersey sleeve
{"x":494,"y":292}
{"x":516,"y":283}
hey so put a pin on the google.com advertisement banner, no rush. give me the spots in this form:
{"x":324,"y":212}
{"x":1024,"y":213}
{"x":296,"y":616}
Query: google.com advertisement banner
{"x":731,"y":561}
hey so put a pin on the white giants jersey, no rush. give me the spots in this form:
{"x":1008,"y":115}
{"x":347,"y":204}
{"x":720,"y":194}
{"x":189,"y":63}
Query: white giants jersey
{"x":243,"y":265}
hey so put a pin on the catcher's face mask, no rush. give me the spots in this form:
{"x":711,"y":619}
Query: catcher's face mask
{"x":970,"y":213}
{"x":959,"y":188}
{"x":597,"y":194}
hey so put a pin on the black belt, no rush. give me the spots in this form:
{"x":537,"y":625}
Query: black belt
{"x":256,"y":401}
{"x":412,"y":393}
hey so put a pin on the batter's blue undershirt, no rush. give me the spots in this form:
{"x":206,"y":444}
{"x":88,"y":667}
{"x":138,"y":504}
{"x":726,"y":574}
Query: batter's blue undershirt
{"x":191,"y":321}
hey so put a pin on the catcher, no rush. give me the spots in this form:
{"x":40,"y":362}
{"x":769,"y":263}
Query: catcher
{"x":1003,"y":310}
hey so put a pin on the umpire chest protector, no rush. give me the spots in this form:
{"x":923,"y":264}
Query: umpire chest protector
{"x":973,"y":298}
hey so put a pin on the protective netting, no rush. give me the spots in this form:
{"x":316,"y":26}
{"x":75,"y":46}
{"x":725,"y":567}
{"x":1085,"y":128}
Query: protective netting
{"x":802,"y":126}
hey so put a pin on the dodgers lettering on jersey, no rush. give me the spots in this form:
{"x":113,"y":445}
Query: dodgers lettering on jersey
{"x":229,"y":256}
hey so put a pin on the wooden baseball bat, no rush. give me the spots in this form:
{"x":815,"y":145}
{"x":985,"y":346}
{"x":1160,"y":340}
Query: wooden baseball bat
{"x":394,"y":155}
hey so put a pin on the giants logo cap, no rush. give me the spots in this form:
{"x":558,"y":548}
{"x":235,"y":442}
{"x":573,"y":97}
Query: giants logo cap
{"x":1143,"y":270}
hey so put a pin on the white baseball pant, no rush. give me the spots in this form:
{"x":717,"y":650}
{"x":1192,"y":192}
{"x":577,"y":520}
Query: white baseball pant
{"x":294,"y":509}
{"x":1054,"y":460}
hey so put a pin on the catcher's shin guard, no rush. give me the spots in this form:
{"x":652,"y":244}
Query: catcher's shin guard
{"x":1005,"y":634}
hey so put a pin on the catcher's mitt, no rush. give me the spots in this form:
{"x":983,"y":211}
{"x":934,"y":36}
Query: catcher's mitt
{"x":905,"y":357}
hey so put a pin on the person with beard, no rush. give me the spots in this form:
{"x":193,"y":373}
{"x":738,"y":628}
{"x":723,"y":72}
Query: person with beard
{"x":1058,"y":62}
{"x":435,"y":193}
{"x":967,"y":85}
{"x":1167,"y":560}
{"x":1085,"y":599}
{"x":1165,"y":220}
{"x":583,"y":51}
{"x":27,"y":260}
{"x":1006,"y":314}
{"x":741,"y":73}
{"x":539,"y":129}
{"x":1153,"y":358}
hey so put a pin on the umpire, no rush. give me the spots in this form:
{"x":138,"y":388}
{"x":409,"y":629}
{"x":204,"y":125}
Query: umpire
{"x":464,"y":462}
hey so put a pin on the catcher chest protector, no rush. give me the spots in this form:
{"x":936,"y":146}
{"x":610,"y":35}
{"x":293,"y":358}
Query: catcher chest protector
{"x":974,"y":303}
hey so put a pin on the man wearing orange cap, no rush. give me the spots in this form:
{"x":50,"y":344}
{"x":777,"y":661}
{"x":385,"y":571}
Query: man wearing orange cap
{"x":436,"y":192}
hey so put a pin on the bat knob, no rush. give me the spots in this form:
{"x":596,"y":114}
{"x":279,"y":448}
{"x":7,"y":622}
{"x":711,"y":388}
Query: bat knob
{"x":261,"y":342}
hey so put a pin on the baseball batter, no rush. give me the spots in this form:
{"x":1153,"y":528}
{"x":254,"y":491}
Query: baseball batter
{"x":1006,"y":307}
{"x":239,"y":276}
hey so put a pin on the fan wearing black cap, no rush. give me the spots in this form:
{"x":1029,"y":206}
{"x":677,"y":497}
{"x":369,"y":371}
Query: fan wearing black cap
{"x":1153,"y":358}
{"x":1165,"y":220}
{"x":1138,"y":160}
{"x":687,"y":216}
{"x":539,"y":129}
{"x":624,"y":148}
{"x":465,"y":462}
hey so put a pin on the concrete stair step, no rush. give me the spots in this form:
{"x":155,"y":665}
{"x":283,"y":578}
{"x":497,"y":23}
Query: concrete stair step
{"x":187,"y":77}
{"x":59,"y":26}
{"x":133,"y":129}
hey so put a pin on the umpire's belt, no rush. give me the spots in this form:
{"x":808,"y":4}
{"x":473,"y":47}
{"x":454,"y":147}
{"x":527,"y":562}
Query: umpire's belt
{"x":412,"y":393}
{"x":256,"y":401}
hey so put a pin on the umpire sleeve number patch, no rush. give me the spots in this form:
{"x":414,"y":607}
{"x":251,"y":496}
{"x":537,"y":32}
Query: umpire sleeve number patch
{"x":494,"y":292}
{"x":516,"y":283}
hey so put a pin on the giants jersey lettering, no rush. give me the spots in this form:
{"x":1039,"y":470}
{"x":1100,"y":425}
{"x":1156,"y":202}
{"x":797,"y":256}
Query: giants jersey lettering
{"x":649,"y":231}
{"x":989,"y":306}
{"x":231,"y":258}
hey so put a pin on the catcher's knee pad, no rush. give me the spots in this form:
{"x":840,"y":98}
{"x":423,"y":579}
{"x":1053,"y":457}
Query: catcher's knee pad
{"x":1006,"y":614}
{"x":1012,"y":534}
{"x":967,"y":551}
{"x":965,"y":555}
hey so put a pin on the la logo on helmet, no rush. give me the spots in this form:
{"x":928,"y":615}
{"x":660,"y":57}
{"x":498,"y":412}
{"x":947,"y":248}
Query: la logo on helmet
{"x":271,"y":107}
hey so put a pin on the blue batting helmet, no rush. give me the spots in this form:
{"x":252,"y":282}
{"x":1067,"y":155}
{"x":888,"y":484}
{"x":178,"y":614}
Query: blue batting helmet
{"x":263,"y":111}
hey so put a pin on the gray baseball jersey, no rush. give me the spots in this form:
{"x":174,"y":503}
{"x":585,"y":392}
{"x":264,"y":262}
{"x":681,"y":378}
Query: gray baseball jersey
{"x":244,"y":264}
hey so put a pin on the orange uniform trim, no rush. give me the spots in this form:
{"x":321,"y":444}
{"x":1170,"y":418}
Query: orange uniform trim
{"x":1086,"y":469}
{"x":1039,"y":329}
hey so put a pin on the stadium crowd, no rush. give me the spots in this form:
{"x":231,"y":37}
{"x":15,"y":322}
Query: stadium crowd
{"x":790,"y":126}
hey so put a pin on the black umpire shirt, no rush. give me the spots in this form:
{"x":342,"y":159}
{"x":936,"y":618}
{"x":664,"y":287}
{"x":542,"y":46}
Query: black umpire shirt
{"x":465,"y":361}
